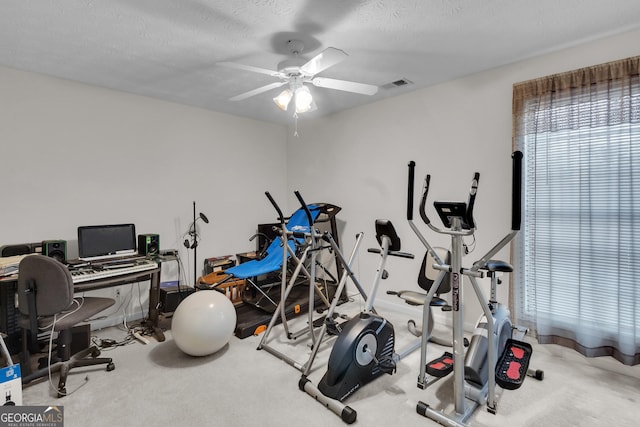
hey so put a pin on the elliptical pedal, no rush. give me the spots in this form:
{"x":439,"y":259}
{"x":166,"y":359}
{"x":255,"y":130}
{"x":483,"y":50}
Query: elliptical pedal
{"x":442,"y":366}
{"x":513,"y":365}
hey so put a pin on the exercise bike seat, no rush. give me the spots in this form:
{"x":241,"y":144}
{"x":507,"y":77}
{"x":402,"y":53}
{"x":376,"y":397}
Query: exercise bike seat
{"x":496,"y":265}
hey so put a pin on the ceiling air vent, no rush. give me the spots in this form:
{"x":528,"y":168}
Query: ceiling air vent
{"x":397,"y":83}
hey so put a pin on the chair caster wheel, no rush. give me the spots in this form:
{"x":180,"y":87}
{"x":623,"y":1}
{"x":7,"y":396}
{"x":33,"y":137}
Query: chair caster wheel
{"x":95,"y":353}
{"x":111,"y":366}
{"x":62,"y":392}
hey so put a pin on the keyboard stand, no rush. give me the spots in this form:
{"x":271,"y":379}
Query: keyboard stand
{"x":152,"y":275}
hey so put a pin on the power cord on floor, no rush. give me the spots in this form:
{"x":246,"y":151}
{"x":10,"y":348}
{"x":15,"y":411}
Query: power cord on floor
{"x":133,"y":334}
{"x":109,"y":343}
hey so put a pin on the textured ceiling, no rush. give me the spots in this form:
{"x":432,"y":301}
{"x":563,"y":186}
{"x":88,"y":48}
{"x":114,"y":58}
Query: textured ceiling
{"x":168,"y":49}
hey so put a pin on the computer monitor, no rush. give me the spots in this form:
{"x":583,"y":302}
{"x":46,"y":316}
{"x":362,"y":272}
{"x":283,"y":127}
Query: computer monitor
{"x":106,"y":241}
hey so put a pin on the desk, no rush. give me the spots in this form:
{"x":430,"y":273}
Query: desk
{"x":9,"y":287}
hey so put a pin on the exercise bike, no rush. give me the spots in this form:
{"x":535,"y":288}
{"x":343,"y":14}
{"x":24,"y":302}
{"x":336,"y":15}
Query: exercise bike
{"x":365,"y":348}
{"x":494,"y":355}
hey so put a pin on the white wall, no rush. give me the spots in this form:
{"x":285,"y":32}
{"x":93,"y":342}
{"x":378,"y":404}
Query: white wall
{"x":80,"y":155}
{"x":358,"y":159}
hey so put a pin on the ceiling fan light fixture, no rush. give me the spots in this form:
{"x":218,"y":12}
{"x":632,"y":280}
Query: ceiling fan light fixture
{"x":304,"y":100}
{"x":283,"y":99}
{"x":295,"y":72}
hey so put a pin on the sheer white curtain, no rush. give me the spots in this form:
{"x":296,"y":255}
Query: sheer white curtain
{"x":576,"y":258}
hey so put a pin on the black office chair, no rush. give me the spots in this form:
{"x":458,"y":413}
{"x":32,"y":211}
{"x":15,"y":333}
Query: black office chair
{"x":46,"y":303}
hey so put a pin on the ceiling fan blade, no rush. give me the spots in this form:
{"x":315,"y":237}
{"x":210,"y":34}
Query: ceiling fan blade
{"x":361,"y":88}
{"x":325,"y":59}
{"x":256,"y":91}
{"x":249,"y":68}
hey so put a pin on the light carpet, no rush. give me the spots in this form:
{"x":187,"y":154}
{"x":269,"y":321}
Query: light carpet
{"x":156,"y":384}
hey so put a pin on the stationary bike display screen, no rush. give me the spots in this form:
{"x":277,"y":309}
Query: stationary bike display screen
{"x":449,"y":210}
{"x":106,"y":241}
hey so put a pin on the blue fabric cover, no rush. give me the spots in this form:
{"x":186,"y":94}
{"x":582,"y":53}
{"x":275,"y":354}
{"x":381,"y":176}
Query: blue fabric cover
{"x":273,"y":260}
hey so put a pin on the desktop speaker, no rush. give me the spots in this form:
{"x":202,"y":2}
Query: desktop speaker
{"x":148,"y":244}
{"x":13,"y":250}
{"x":56,"y":249}
{"x":20,"y":249}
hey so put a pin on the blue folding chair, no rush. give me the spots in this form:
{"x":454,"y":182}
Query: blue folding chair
{"x":295,"y":226}
{"x":272,"y":261}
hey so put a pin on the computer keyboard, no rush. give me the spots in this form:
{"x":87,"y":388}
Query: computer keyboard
{"x":106,"y":270}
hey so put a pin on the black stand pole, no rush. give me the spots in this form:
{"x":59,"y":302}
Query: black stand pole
{"x":193,"y":233}
{"x":195,"y":246}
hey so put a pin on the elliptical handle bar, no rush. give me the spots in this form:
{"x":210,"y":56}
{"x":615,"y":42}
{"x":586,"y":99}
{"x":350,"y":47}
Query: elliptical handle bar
{"x":472,"y":200}
{"x":423,"y":202}
{"x":412,"y":168}
{"x":516,"y":191}
{"x":275,"y":205}
{"x":306,"y":209}
{"x":410,"y":194}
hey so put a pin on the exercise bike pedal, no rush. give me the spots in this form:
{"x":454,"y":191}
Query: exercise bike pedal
{"x":388,"y":366}
{"x":333,"y":328}
{"x":513,"y":365}
{"x":442,"y":366}
{"x":323,"y":319}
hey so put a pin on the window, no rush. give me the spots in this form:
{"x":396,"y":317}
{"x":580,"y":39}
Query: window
{"x":576,"y":259}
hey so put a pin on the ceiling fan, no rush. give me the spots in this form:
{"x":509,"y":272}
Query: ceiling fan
{"x":297,"y":71}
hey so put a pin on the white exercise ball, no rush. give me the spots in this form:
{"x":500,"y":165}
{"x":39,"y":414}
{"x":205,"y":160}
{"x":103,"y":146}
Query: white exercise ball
{"x":203,"y":323}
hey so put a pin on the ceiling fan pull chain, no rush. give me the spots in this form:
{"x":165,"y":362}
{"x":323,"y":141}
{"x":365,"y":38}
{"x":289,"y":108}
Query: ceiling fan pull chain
{"x":295,"y":124}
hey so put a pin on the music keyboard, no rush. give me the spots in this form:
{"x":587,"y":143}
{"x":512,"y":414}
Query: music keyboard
{"x":106,"y":271}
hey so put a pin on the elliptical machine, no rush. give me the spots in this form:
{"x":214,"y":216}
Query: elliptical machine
{"x":493,"y":357}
